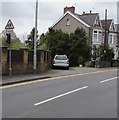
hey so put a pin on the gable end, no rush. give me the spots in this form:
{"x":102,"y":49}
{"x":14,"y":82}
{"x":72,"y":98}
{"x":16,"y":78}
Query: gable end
{"x":78,"y":19}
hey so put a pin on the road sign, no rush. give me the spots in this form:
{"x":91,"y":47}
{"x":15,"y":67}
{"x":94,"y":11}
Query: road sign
{"x":9,"y":25}
{"x":9,"y":31}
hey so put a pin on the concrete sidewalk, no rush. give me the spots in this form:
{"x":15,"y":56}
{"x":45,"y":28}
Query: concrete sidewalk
{"x":7,"y":80}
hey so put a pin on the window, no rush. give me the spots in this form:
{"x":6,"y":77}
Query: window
{"x":68,"y":22}
{"x":110,"y":39}
{"x":100,"y":36}
{"x":95,"y":36}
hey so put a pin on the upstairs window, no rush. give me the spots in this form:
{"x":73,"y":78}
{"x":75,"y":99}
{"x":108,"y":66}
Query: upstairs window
{"x":95,"y":36}
{"x":100,"y":36}
{"x":68,"y":22}
{"x":110,"y":39}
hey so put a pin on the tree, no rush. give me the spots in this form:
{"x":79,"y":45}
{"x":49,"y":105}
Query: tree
{"x":73,"y":45}
{"x":105,"y":54}
{"x":43,"y":42}
{"x":15,"y":41}
{"x":56,"y":41}
{"x":30,"y":39}
{"x":79,"y":46}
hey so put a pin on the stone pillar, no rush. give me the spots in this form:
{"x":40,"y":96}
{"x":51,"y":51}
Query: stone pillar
{"x":25,"y":59}
{"x":4,"y":58}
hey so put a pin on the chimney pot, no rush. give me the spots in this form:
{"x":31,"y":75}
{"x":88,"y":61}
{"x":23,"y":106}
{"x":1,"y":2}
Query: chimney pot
{"x":70,"y":9}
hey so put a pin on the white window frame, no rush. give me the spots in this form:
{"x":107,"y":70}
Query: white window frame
{"x":95,"y":36}
{"x":111,"y":39}
{"x":68,"y":22}
{"x":97,"y":33}
{"x":114,"y":39}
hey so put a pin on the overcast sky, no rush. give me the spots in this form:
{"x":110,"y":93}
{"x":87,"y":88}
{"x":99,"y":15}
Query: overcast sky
{"x":22,"y":13}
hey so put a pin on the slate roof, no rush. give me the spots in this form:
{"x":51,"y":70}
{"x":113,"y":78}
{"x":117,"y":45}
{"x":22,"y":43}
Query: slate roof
{"x":88,"y":18}
{"x":109,"y":21}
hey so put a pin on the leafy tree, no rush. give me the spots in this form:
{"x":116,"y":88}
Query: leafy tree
{"x":56,"y":41}
{"x":79,"y":46}
{"x":73,"y":45}
{"x":105,"y":54}
{"x":30,"y":39}
{"x":43,"y":42}
{"x":15,"y":41}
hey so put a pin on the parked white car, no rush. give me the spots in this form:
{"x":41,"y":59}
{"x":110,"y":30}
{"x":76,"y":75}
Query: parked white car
{"x":60,"y":61}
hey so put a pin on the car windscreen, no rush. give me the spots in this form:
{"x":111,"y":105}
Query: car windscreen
{"x":60,"y":58}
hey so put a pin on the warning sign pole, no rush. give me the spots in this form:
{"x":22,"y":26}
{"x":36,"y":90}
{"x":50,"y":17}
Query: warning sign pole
{"x":9,"y":27}
{"x":10,"y":59}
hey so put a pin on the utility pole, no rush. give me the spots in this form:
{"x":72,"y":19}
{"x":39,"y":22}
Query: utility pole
{"x":35,"y":39}
{"x":105,"y":35}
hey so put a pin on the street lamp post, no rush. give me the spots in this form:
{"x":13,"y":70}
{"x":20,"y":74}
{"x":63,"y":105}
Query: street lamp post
{"x":35,"y":38}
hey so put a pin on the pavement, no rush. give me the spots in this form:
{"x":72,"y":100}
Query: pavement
{"x":18,"y":78}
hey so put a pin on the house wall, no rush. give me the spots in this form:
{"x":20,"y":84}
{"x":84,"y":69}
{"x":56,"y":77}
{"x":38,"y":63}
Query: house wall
{"x":73,"y":25}
{"x":22,"y":61}
{"x":113,"y":44}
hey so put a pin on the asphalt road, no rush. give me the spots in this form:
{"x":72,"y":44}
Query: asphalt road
{"x":92,"y":95}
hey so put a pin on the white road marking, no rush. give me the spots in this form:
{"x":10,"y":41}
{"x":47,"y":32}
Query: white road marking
{"x":61,"y":95}
{"x":108,"y":79}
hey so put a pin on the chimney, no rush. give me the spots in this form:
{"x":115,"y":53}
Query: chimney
{"x":70,"y":9}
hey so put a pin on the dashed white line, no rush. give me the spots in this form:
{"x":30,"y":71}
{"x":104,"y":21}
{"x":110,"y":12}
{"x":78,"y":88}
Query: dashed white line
{"x":108,"y":79}
{"x":61,"y":95}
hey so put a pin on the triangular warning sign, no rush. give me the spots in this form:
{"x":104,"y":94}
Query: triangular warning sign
{"x":9,"y":25}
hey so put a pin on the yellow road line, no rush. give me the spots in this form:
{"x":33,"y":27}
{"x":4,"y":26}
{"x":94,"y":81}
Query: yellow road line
{"x":54,"y":78}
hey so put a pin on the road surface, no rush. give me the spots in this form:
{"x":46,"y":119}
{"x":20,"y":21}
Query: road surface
{"x":85,"y":95}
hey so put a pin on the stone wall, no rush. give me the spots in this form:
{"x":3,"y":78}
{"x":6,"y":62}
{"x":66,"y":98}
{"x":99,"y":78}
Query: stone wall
{"x":22,"y":60}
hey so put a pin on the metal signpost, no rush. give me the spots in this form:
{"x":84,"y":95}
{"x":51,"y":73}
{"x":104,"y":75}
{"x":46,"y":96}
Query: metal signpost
{"x":9,"y":29}
{"x":35,"y":39}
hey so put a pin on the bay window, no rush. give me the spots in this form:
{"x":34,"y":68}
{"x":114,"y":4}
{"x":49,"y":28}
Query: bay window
{"x":97,"y":36}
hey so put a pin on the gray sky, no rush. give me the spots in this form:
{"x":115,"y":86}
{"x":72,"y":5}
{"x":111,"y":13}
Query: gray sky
{"x":22,"y":13}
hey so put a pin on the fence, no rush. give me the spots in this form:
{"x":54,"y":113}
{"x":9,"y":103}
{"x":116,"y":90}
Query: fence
{"x":22,"y":60}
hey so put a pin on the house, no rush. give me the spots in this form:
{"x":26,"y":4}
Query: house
{"x":90,"y":22}
{"x":92,"y":25}
{"x":117,"y":30}
{"x":111,"y":35}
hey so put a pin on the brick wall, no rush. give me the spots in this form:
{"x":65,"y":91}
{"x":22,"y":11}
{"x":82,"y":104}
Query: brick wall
{"x":22,"y":60}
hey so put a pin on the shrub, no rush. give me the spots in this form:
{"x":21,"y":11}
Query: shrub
{"x":88,"y":64}
{"x":81,"y":60}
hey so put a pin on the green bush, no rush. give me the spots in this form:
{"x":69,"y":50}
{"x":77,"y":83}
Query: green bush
{"x":88,"y":64}
{"x":81,"y":60}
